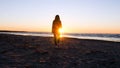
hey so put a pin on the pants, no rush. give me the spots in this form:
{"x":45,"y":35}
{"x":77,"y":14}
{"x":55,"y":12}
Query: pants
{"x":56,"y":38}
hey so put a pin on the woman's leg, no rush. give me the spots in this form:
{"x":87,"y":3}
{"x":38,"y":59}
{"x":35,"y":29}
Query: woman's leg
{"x":58,"y":38}
{"x":55,"y":39}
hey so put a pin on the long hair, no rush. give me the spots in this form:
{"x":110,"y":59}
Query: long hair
{"x":57,"y":18}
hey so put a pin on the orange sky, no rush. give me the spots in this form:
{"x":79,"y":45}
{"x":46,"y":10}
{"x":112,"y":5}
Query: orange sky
{"x":65,"y":30}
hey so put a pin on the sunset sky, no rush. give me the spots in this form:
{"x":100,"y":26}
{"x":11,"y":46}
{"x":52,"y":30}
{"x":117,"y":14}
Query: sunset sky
{"x":77,"y":16}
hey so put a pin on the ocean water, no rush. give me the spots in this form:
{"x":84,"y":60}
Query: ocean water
{"x":106,"y":37}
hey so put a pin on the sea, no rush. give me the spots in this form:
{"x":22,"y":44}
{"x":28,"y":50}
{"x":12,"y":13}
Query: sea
{"x":105,"y":37}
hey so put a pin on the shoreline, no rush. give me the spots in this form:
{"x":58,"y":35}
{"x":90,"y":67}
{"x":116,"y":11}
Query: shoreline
{"x":36,"y":51}
{"x":112,"y":39}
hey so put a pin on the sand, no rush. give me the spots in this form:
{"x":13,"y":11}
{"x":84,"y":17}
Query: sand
{"x":40,"y":52}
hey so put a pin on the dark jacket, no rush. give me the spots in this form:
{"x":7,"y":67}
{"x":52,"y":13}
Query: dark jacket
{"x":56,"y":26}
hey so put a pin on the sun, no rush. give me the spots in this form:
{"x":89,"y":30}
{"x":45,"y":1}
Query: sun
{"x":60,"y":30}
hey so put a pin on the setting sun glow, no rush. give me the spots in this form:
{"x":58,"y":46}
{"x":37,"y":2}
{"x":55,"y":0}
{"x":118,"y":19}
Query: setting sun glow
{"x":60,"y":30}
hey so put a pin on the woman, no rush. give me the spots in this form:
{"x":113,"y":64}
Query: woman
{"x":55,"y":29}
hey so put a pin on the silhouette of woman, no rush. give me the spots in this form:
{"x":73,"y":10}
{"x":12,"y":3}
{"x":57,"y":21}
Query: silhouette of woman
{"x":55,"y":29}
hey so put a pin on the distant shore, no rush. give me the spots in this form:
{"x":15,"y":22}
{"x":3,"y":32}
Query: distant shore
{"x":104,"y":37}
{"x":40,"y":52}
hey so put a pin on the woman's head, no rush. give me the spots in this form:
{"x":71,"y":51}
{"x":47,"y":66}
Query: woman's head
{"x":57,"y":17}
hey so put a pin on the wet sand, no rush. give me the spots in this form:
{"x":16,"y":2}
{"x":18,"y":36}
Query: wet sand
{"x":40,"y":52}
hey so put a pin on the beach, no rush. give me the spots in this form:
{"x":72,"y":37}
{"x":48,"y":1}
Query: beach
{"x":40,"y":52}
